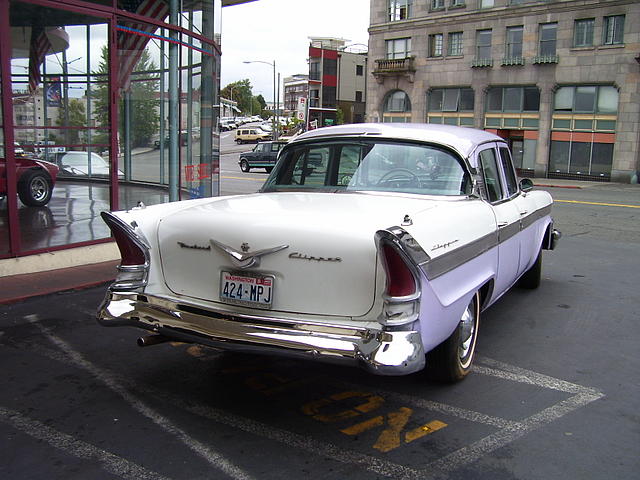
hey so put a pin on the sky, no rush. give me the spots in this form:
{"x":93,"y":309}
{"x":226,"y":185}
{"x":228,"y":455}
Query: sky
{"x":279,"y":30}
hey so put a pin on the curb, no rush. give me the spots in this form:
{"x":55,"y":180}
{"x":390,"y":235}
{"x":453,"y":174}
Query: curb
{"x":576,"y":187}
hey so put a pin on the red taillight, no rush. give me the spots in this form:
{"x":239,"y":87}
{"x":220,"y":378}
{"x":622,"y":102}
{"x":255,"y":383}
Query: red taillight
{"x":131,"y":252}
{"x":400,"y":280}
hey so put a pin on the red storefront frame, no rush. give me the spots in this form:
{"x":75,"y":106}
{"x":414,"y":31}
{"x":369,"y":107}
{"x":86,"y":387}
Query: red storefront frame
{"x":112,"y":15}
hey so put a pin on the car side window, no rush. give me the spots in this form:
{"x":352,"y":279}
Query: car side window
{"x":348,"y":163}
{"x":311,"y":167}
{"x":491,"y":174}
{"x":509,"y":172}
{"x":275,"y":147}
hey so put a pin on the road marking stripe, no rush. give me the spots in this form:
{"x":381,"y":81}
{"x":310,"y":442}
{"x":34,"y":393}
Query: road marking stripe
{"x":597,"y":203}
{"x":436,"y":469}
{"x":521,"y":375}
{"x":76,"y":358}
{"x":110,"y":462}
{"x":244,"y":178}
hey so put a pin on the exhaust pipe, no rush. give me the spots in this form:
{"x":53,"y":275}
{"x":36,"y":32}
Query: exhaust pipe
{"x":152,"y":340}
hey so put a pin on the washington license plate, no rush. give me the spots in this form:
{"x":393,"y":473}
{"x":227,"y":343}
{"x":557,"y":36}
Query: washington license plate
{"x":250,"y":290}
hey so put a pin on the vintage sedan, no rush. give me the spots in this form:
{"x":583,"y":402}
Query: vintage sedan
{"x":375,"y":245}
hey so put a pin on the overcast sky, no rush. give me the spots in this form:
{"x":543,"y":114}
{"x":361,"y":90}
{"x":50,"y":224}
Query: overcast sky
{"x":269,"y":30}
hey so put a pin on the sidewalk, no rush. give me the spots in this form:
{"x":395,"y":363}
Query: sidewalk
{"x":16,"y":288}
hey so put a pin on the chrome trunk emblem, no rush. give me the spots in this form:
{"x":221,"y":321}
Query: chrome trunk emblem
{"x":245,"y":259}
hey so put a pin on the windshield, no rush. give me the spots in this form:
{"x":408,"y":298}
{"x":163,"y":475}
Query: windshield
{"x":370,"y":166}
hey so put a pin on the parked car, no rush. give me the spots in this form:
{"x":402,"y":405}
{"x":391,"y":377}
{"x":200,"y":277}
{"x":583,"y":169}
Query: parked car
{"x":376,"y":245}
{"x":76,"y":164}
{"x":36,"y":179}
{"x":263,"y":155}
{"x":244,"y":135}
{"x":184,"y":137}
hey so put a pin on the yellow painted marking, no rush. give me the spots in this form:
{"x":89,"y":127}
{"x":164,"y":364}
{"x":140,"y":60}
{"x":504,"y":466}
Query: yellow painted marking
{"x":598,"y":203}
{"x":315,"y":408}
{"x":391,"y":437}
{"x":245,"y":178}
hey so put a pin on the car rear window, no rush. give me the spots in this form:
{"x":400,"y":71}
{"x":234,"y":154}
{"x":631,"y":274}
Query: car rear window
{"x":370,"y":166}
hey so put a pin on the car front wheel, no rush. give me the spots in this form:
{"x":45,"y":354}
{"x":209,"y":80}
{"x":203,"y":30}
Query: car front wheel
{"x":451,"y":360}
{"x":35,"y":188}
{"x":244,"y":166}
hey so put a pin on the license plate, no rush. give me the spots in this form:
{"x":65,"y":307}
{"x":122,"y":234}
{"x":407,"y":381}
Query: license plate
{"x":247,"y":289}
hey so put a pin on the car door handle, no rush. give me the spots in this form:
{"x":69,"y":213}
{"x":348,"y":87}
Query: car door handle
{"x":502,"y":224}
{"x":523,"y":213}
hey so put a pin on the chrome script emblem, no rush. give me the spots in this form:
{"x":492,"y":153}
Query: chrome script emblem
{"x":245,"y":259}
{"x":311,"y":258}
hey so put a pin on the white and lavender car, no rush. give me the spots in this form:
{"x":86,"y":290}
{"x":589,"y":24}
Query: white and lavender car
{"x":376,"y":245}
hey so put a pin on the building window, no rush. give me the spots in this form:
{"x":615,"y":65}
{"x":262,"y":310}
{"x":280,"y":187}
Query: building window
{"x":458,"y":3}
{"x":513,"y":49}
{"x":398,"y":48}
{"x":513,"y":99}
{"x":435,"y":45}
{"x":437,"y":4}
{"x":587,"y":99}
{"x":358,"y":96}
{"x":399,"y":10}
{"x":359,"y":70}
{"x":548,"y":35}
{"x":397,"y":102}
{"x":483,"y":45}
{"x":455,"y":44}
{"x":451,"y":100}
{"x":396,"y":107}
{"x":613,"y":30}
{"x":486,"y":3}
{"x":583,"y":32}
{"x":314,"y":70}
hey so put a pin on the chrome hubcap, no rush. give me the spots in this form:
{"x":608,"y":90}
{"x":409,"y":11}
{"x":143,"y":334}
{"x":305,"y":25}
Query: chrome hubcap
{"x":467,"y":328}
{"x":39,"y":189}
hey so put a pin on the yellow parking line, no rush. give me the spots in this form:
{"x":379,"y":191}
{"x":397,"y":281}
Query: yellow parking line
{"x":598,"y":203}
{"x":244,"y":178}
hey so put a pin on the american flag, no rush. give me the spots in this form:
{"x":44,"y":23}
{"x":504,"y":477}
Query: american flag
{"x":131,"y":44}
{"x":40,"y":46}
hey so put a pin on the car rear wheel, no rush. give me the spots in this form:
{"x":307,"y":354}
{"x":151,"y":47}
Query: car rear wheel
{"x":238,"y":141}
{"x":451,"y":360}
{"x":244,"y":166}
{"x":531,"y":278}
{"x":35,"y":188}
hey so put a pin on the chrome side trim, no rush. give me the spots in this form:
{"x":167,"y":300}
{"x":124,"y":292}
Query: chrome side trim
{"x":379,"y":351}
{"x":453,"y":259}
{"x":446,"y":262}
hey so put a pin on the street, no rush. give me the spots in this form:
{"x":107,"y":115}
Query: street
{"x":553,"y":395}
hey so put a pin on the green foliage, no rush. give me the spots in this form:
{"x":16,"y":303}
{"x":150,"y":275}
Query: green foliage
{"x":339,"y":116}
{"x":143,"y":89}
{"x":240,"y":92}
{"x":77,"y":116}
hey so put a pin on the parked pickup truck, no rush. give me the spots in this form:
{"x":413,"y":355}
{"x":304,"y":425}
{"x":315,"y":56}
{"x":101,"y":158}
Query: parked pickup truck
{"x":263,"y":155}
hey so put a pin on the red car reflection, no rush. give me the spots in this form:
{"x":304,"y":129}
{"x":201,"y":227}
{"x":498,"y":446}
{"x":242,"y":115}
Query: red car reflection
{"x":36,"y":179}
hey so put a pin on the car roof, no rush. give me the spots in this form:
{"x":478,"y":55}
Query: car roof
{"x":461,"y":139}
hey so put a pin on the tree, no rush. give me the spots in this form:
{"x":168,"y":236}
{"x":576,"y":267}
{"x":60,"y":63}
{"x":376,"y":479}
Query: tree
{"x":143,"y":89}
{"x":240,"y":92}
{"x":77,"y":116}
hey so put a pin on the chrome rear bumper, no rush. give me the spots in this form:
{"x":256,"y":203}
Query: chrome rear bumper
{"x":375,"y":350}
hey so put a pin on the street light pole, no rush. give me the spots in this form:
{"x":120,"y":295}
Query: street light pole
{"x":273,"y":118}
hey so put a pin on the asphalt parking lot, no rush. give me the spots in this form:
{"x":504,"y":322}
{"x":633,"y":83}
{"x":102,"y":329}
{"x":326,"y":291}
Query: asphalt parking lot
{"x":554,"y":395}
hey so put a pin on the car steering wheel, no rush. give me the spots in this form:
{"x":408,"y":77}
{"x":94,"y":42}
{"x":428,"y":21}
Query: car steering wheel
{"x":399,"y":174}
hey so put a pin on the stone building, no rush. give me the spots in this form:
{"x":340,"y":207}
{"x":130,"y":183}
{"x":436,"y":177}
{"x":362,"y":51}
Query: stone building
{"x":560,"y":79}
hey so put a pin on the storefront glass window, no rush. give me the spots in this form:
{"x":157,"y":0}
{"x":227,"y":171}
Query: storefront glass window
{"x":4,"y":221}
{"x":56,"y":120}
